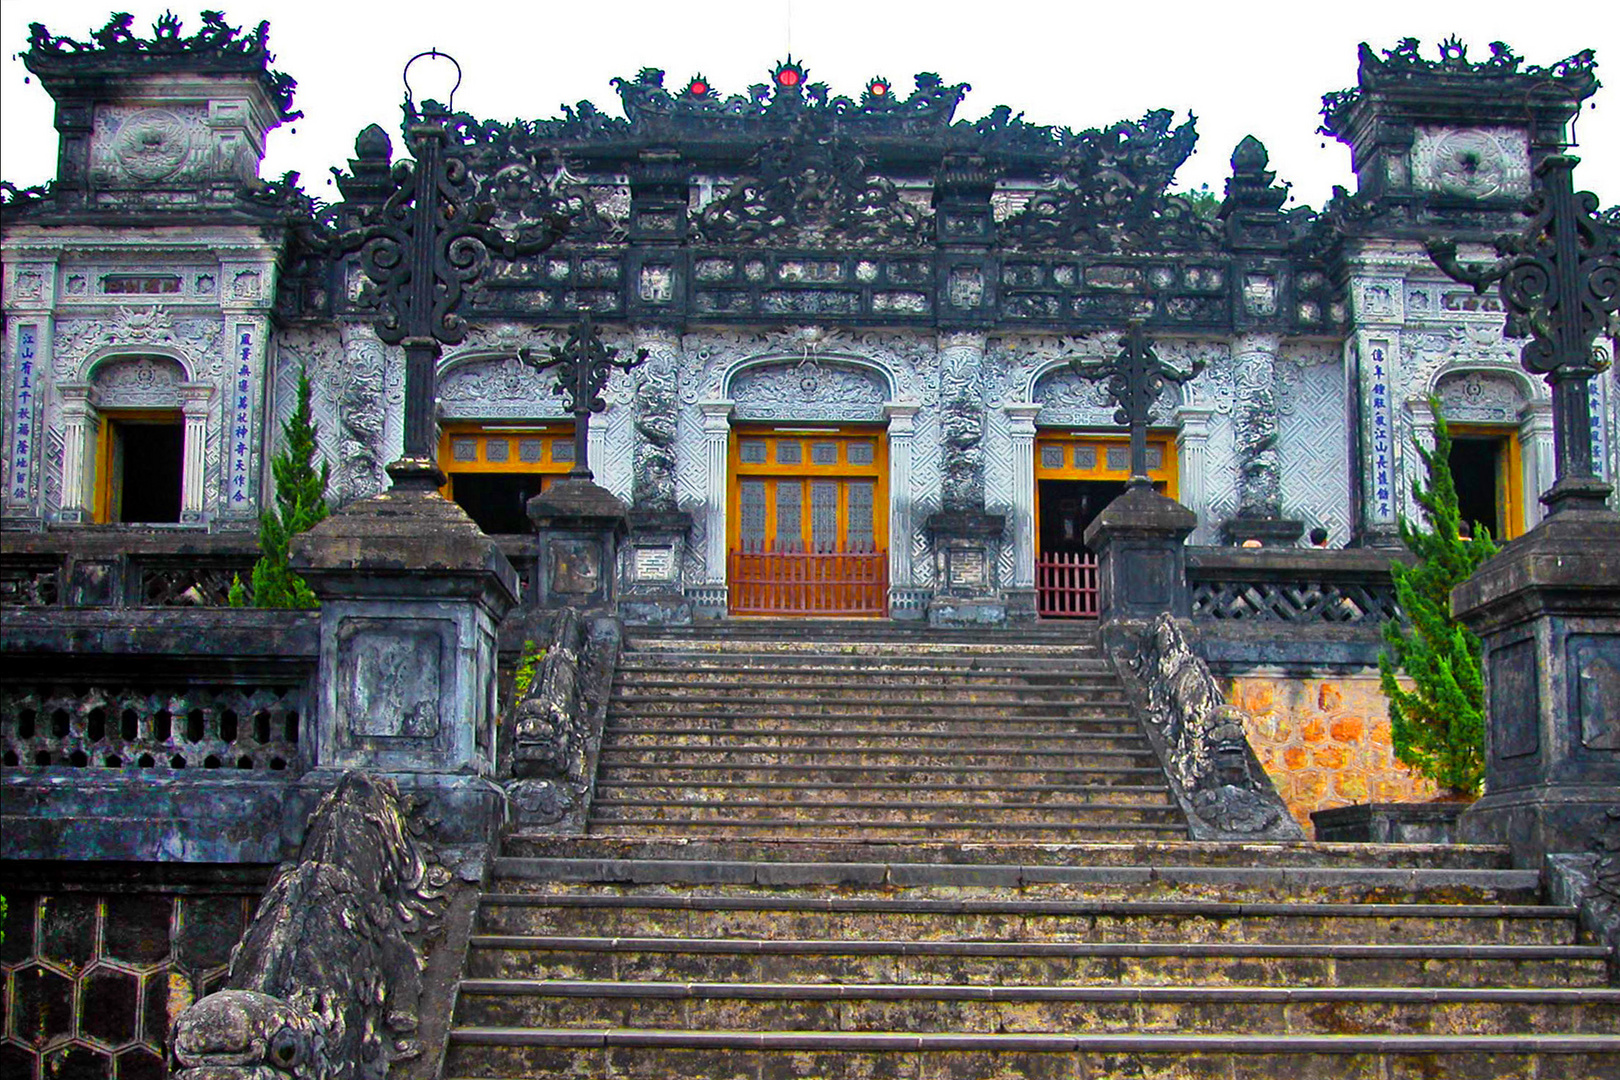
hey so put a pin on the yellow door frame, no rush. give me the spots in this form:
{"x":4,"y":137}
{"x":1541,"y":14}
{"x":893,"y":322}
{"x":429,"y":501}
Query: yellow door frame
{"x":772,"y":472}
{"x":511,"y":431}
{"x":1165,"y":478}
{"x":1509,"y":474}
{"x":109,"y":454}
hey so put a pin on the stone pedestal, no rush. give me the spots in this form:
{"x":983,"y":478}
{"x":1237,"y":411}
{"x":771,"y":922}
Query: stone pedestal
{"x":1548,"y":611}
{"x":412,"y":593}
{"x":580,"y":525}
{"x":967,"y":550}
{"x":1141,"y":560}
{"x":650,"y":591}
{"x":1270,"y":531}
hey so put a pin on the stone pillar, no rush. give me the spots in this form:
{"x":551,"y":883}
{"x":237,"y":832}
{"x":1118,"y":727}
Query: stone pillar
{"x":1547,"y":608}
{"x":579,"y":524}
{"x":1536,"y":458}
{"x":1141,"y":561}
{"x":652,"y":485}
{"x":412,"y":595}
{"x":194,"y":399}
{"x":902,"y":434}
{"x":1254,"y":416}
{"x":80,"y":424}
{"x":716,"y":446}
{"x":1380,"y":484}
{"x":1192,"y":465}
{"x":1022,"y":418}
{"x":961,"y":400}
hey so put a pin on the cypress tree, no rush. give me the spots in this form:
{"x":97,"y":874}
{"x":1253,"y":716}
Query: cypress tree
{"x":1437,"y":727}
{"x":300,"y":503}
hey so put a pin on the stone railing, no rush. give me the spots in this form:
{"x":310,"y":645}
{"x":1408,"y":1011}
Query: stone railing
{"x":128,"y":733}
{"x":1293,"y":585}
{"x":119,"y":567}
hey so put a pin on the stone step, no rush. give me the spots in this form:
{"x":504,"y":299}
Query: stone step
{"x":935,"y":666}
{"x":977,"y":1009}
{"x":755,"y":754}
{"x":1283,"y":860}
{"x":886,"y":737}
{"x":727,"y":1055}
{"x":860,"y":829}
{"x":706,"y":720}
{"x":612,"y":790}
{"x":887,"y":813}
{"x":877,"y":777}
{"x":707,"y":867}
{"x":995,"y":963}
{"x":869,"y":917}
{"x":872,"y":710}
{"x":862,"y":690}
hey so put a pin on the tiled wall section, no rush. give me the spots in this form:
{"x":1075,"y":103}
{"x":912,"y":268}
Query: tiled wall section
{"x":1325,"y":742}
{"x":92,"y":980}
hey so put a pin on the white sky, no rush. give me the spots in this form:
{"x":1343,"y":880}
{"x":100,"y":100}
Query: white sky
{"x":1242,"y":67}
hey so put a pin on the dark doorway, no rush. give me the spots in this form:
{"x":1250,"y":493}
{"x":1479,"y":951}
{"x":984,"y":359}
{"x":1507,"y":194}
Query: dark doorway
{"x":498,"y":501}
{"x":148,"y":465}
{"x":1476,"y":470}
{"x":1068,"y":506}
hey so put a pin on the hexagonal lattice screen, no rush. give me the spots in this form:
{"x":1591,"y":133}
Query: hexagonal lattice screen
{"x":92,"y":981}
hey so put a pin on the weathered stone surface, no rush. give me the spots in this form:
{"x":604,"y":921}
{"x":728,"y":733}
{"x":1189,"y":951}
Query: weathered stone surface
{"x":325,"y":983}
{"x":1201,"y":740}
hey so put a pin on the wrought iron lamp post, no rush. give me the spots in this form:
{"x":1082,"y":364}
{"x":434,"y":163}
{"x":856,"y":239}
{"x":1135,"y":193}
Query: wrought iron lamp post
{"x":583,"y":364}
{"x":1135,"y":378}
{"x":422,"y":249}
{"x":1560,"y":283}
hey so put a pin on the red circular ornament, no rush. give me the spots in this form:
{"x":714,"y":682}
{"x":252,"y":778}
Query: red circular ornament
{"x":878,"y":89}
{"x":697,"y":88}
{"x":788,"y":77}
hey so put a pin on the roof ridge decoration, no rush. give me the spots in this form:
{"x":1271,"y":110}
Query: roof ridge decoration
{"x":116,"y":50}
{"x":1110,"y":193}
{"x":1405,"y":67}
{"x":813,"y":188}
{"x":931,"y":105}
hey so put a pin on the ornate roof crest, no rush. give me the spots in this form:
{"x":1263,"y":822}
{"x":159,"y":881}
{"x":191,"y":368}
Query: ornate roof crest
{"x":116,"y":50}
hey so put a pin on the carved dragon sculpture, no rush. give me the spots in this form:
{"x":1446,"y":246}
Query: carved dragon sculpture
{"x":324,"y":984}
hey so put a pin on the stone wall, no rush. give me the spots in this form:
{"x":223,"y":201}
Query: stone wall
{"x":1325,"y":741}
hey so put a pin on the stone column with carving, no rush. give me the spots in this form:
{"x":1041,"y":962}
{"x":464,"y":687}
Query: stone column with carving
{"x":79,"y":427}
{"x":1022,"y":417}
{"x":961,"y":398}
{"x":902,"y":435}
{"x":364,"y":396}
{"x":1536,"y":457}
{"x":1254,"y":416}
{"x":653,"y":484}
{"x":1192,"y":465}
{"x":716,"y":446}
{"x":194,"y":401}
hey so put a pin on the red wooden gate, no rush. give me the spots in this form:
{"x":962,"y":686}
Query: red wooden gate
{"x":809,"y":583}
{"x":1066,"y":585}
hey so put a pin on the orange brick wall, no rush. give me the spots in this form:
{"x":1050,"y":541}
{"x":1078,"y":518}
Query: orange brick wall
{"x":1325,"y":742}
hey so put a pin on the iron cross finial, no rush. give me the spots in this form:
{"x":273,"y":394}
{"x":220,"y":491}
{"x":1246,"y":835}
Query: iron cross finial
{"x":1135,"y":378}
{"x":583,"y":364}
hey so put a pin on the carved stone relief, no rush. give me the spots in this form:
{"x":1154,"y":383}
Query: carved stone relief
{"x":138,"y":330}
{"x":1481,"y":397}
{"x":145,"y":382}
{"x":809,"y":389}
{"x":1476,"y":163}
{"x":653,"y":485}
{"x":961,"y":386}
{"x":135,"y":145}
{"x":1312,"y":444}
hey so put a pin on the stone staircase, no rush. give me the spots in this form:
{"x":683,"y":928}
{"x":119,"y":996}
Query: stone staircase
{"x":753,"y":903}
{"x":849,"y":730}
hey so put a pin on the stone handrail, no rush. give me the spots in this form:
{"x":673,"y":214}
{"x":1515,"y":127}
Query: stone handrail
{"x":1294,"y":585}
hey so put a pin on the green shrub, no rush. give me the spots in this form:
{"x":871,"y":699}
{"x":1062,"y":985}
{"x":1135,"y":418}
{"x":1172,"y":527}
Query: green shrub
{"x":1438,"y":726}
{"x":300,"y":504}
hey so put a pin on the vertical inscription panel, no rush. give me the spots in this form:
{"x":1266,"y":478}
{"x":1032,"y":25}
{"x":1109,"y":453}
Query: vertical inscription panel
{"x":1515,"y":700}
